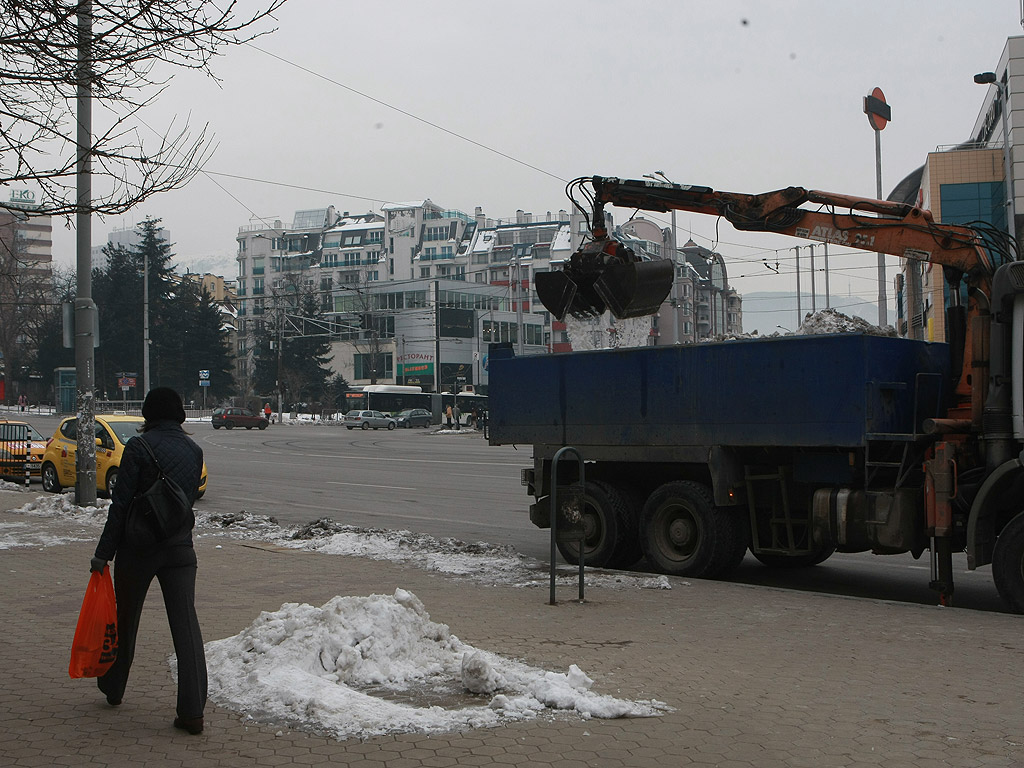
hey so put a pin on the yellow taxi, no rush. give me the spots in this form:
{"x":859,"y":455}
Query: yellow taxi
{"x":36,"y":446}
{"x":112,"y":433}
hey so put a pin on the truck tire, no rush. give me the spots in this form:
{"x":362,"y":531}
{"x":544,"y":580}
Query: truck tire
{"x":683,"y":534}
{"x":606,"y":524}
{"x":773,"y":560}
{"x":740,"y":537}
{"x":1008,"y":564}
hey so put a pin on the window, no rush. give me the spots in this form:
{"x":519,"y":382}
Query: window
{"x":430,"y":253}
{"x":444,"y":271}
{"x":435,"y":233}
{"x":257,"y":286}
{"x":257,"y":266}
{"x":354,"y":239}
{"x":424,"y":271}
{"x":375,"y":236}
{"x":241,"y":288}
{"x":365,"y":363}
{"x":446,"y":252}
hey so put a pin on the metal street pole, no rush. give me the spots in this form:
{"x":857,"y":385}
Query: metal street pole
{"x":814,"y":298}
{"x":85,"y":308}
{"x":883,"y":315}
{"x":145,"y":322}
{"x":675,"y":260}
{"x":799,"y":308}
{"x":879,"y":114}
{"x":828,"y":297}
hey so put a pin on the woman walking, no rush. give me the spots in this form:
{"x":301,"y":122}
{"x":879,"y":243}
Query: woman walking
{"x":172,"y":561}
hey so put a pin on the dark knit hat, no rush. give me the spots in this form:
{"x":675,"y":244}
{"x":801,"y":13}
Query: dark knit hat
{"x":163,"y":403}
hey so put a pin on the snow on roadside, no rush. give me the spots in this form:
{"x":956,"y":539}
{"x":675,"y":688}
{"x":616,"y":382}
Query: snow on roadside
{"x":480,"y":562}
{"x":333,"y":668}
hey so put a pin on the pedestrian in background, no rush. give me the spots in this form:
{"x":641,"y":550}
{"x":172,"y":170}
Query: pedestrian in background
{"x":448,"y":415}
{"x":172,"y":561}
{"x":268,"y":412}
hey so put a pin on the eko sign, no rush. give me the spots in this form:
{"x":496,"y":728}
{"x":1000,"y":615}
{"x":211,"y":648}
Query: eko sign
{"x":23,"y":198}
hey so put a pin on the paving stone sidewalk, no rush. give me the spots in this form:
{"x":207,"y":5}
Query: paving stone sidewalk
{"x":757,"y":677}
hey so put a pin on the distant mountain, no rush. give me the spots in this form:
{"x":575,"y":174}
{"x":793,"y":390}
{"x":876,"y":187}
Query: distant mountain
{"x":765,"y":311}
{"x":224,"y":266}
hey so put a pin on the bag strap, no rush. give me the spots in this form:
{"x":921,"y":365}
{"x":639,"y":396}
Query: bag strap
{"x":149,"y":449}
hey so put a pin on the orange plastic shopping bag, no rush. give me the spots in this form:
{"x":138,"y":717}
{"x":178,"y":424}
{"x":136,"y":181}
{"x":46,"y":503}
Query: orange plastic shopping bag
{"x":95,"y":644}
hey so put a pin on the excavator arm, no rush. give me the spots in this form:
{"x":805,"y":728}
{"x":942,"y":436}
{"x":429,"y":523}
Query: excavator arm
{"x":902,"y":230}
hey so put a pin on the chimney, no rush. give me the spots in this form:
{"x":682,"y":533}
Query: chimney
{"x":519,"y":216}
{"x":479,"y":216}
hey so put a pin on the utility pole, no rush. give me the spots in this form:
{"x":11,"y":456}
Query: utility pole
{"x":85,"y":308}
{"x":280,"y":368}
{"x":145,"y":322}
{"x":814,"y":303}
{"x":799,"y":309}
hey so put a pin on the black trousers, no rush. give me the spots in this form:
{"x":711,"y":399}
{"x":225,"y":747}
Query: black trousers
{"x":174,"y":566}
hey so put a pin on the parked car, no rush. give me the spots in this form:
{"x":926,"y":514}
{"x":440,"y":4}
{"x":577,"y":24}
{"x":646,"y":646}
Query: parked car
{"x":36,"y":446}
{"x":368,"y":419}
{"x":112,"y":432}
{"x":229,"y":418}
{"x":413,"y":417}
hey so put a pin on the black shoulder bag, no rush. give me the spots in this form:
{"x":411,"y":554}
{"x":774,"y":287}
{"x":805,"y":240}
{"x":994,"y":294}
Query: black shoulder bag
{"x":160,"y":511}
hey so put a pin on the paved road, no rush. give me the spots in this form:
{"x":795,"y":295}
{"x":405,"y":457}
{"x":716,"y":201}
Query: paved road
{"x":458,"y":486}
{"x":444,"y":485}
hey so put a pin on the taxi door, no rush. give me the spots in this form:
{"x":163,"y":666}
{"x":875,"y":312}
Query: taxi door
{"x":67,"y":437}
{"x":105,"y":455}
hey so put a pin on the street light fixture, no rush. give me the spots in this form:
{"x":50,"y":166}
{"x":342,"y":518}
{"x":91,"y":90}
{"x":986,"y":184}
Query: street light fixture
{"x":989,"y":78}
{"x":660,"y":176}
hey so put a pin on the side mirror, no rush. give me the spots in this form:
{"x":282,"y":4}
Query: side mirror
{"x":99,"y":441}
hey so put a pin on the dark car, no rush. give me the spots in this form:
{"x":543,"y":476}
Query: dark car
{"x":229,"y":418}
{"x":413,"y":417}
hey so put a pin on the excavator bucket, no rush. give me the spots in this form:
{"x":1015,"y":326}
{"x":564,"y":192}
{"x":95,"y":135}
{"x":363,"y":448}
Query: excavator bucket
{"x":637,"y":289}
{"x":591,"y":283}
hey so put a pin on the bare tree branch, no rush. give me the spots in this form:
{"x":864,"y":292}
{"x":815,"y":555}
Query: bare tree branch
{"x":132,"y":39}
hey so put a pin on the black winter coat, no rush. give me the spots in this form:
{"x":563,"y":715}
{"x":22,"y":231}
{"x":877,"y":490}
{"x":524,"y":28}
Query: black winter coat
{"x":181,"y":460}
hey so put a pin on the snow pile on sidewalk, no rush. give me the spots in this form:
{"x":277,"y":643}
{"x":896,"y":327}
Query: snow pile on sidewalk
{"x":62,"y":522}
{"x":355,"y":666}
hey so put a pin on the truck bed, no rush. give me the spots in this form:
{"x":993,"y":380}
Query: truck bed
{"x":826,"y":390}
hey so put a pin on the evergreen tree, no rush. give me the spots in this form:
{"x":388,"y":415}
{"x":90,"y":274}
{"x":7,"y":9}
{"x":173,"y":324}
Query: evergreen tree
{"x":304,"y":353}
{"x":185,"y":326}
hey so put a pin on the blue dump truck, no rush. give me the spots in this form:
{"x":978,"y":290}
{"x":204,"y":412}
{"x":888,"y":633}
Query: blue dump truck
{"x":790,"y":447}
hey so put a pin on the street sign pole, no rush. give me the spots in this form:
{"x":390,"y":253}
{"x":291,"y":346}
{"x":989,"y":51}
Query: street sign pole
{"x":879,"y":114}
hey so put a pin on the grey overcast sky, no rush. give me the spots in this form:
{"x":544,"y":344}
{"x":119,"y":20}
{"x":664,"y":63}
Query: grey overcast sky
{"x":356,"y":103}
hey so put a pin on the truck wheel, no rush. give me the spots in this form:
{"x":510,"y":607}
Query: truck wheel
{"x":605,"y":525}
{"x":683,"y":534}
{"x":740,"y":538}
{"x":773,"y":560}
{"x":1008,"y":564}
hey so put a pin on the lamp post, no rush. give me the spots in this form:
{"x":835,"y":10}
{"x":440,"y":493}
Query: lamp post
{"x":660,"y":176}
{"x":1002,"y":93}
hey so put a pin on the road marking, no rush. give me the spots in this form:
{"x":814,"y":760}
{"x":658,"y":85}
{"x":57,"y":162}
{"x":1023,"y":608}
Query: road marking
{"x":368,"y":485}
